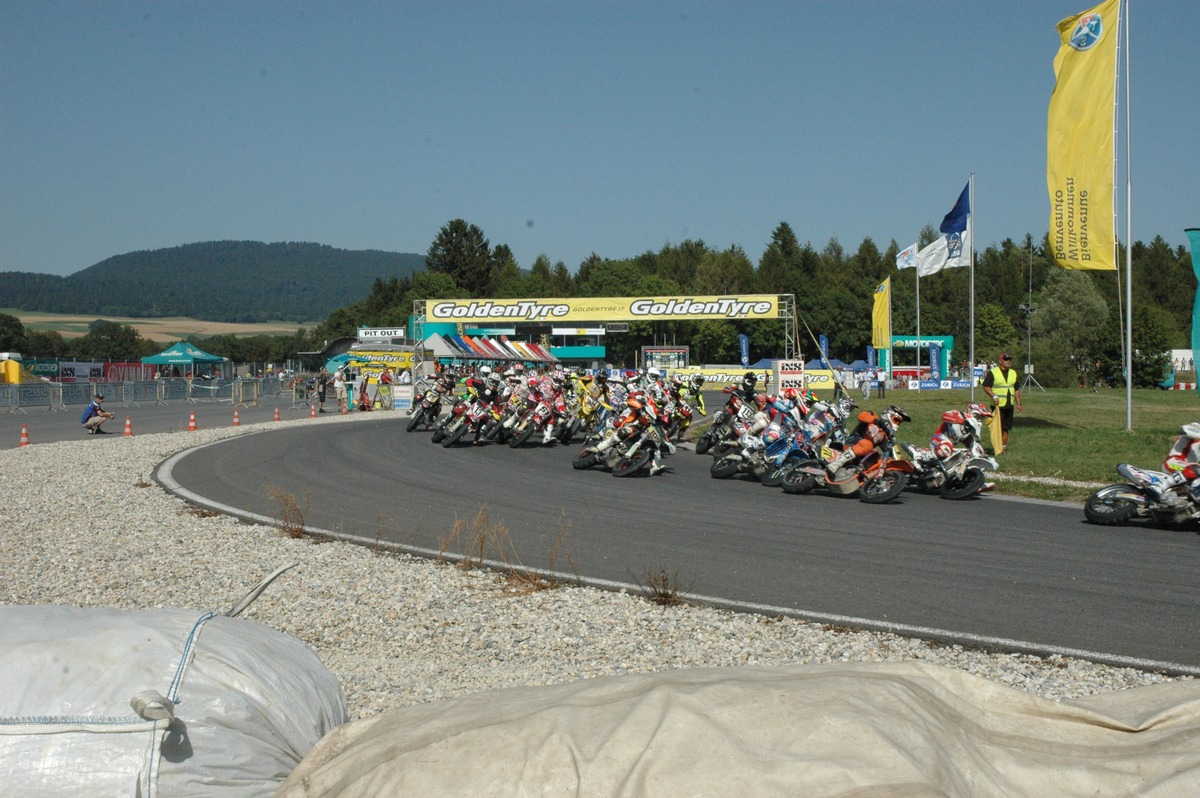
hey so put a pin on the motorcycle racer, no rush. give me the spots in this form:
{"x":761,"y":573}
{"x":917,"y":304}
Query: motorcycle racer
{"x":1183,"y":461}
{"x":872,"y":431}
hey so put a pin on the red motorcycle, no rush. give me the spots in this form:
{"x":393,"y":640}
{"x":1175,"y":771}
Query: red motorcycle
{"x":729,"y":422}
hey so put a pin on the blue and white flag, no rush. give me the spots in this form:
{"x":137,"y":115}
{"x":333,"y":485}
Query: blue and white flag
{"x":744,"y":347}
{"x":823,"y":345}
{"x":907,"y":259}
{"x":952,"y":249}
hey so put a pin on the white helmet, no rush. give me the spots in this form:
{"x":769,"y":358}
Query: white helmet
{"x":654,"y":374}
{"x":1192,"y":430}
{"x":485,"y":371}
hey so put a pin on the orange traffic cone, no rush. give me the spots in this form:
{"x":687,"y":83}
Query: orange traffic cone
{"x":128,"y":427}
{"x":276,"y":412}
{"x":312,"y":411}
{"x":236,"y":421}
{"x":24,"y":436}
{"x":192,"y":422}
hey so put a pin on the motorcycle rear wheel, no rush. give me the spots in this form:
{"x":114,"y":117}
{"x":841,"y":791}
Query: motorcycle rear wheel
{"x":972,"y":480}
{"x":585,"y":458}
{"x":628,"y":466}
{"x":798,"y":481}
{"x":1106,"y":511}
{"x":883,"y":488}
{"x":723,"y":468}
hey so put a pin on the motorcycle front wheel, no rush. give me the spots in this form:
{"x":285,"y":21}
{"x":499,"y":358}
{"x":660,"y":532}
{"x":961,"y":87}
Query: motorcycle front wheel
{"x":723,"y":468}
{"x":773,"y":478}
{"x":883,"y":488}
{"x":970,"y":484}
{"x":415,"y":420}
{"x":584,"y":459}
{"x":799,"y":481}
{"x":1103,"y":508}
{"x":523,"y":434}
{"x":628,"y":466}
{"x":439,"y":432}
{"x":457,"y":430}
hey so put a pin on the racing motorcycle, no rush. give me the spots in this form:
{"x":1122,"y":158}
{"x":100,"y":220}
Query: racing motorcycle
{"x":461,"y":403}
{"x":625,"y":446}
{"x":427,"y":405}
{"x":876,"y":478}
{"x":538,"y":415}
{"x":1142,"y":496}
{"x":824,"y":423}
{"x":960,"y":475}
{"x":477,"y":414}
{"x":729,"y":422}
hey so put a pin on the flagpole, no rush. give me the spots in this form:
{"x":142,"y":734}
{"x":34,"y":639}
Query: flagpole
{"x":971,"y":261}
{"x":1128,"y":238}
{"x":918,"y":330}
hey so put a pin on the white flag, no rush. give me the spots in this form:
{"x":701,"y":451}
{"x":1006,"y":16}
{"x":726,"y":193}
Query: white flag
{"x":948,"y":251}
{"x":908,"y":258}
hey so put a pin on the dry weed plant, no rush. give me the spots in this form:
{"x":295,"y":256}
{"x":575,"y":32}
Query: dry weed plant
{"x":289,"y":515}
{"x":662,"y":588}
{"x":201,"y":512}
{"x":472,"y":543}
{"x":143,"y":483}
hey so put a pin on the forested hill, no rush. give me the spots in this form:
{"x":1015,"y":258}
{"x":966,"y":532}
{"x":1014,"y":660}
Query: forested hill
{"x":240,"y":281}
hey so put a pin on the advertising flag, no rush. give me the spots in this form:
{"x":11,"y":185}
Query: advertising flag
{"x":907,"y":259}
{"x":1194,"y":236}
{"x":953,"y":248}
{"x":1079,"y":142}
{"x":744,"y":348}
{"x":881,"y":316}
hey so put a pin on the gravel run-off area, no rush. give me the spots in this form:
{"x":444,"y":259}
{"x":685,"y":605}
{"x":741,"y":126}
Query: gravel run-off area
{"x":85,"y":525}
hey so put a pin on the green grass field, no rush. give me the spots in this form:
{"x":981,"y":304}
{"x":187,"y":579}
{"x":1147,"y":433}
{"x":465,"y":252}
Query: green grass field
{"x":1070,"y":434}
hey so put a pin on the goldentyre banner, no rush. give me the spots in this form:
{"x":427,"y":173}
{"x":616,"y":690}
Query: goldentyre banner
{"x":654,"y":308}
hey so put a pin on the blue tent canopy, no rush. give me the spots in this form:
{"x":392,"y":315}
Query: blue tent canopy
{"x":817,"y":363}
{"x":859,"y":365}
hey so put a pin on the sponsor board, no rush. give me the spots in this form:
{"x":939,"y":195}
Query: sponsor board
{"x":750,"y":306}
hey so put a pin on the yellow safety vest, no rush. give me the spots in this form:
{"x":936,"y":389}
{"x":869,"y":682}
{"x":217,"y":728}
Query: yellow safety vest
{"x":1003,"y":387}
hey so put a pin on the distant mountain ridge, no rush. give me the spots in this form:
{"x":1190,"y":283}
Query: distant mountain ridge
{"x":234,"y":281}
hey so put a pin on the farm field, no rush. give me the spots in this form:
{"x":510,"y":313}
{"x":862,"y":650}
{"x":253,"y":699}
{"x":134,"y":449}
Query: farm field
{"x":158,"y":329}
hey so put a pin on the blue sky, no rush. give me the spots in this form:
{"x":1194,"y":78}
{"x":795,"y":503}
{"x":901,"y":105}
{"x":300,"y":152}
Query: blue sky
{"x":558,"y":128}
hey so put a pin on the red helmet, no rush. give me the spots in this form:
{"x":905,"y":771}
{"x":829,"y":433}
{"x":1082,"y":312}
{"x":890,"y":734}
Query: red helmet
{"x":953,"y":417}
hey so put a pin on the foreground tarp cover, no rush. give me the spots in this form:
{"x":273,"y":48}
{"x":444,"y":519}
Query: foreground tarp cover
{"x":248,"y":703}
{"x":882,"y":729}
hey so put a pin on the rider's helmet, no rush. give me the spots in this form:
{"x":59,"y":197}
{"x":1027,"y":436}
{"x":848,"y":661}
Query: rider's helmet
{"x":509,"y":373}
{"x":533,"y":382}
{"x":979,"y":411}
{"x":953,"y":417}
{"x":697,"y":381}
{"x":844,"y":407}
{"x":677,"y":381}
{"x":485,"y":371}
{"x":760,"y":401}
{"x":750,"y":380}
{"x":1191,"y":430}
{"x":791,"y":394}
{"x":601,"y":376}
{"x":654,"y":374}
{"x":895,"y":416}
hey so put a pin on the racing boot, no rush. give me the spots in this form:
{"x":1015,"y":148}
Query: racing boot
{"x":1163,"y":488}
{"x":656,"y":465}
{"x":839,"y":461}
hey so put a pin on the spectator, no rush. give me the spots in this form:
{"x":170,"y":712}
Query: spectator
{"x":339,"y":388}
{"x":406,"y":377}
{"x":322,"y":387}
{"x":95,"y":415}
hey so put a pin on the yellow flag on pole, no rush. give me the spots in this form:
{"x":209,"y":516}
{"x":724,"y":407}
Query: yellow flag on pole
{"x":1080,"y":150}
{"x":881,"y":316}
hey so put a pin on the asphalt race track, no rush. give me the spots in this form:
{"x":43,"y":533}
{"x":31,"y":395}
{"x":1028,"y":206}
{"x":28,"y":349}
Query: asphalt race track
{"x":988,"y":571}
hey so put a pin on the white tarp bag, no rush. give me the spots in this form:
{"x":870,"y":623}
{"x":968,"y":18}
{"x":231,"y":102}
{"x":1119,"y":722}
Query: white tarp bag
{"x":801,"y":730}
{"x":168,"y":702}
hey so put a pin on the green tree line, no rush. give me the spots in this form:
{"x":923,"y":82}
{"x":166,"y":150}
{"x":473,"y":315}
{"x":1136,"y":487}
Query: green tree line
{"x":1073,"y":335}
